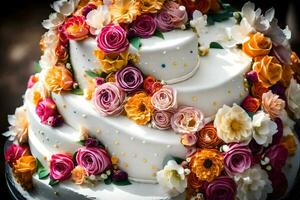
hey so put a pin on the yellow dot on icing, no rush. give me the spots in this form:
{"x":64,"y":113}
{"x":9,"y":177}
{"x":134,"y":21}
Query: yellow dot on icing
{"x":153,"y":174}
{"x":145,"y":160}
{"x":64,"y":106}
{"x":125,"y":164}
{"x":241,"y":95}
{"x":116,"y":142}
{"x":229,"y":91}
{"x":174,"y":63}
{"x":185,"y":65}
{"x":98,"y":130}
{"x":153,"y":167}
{"x":215,"y":103}
{"x":123,"y":153}
{"x":195,"y":98}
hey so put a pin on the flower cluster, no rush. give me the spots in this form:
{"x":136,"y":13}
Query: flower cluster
{"x":48,"y":113}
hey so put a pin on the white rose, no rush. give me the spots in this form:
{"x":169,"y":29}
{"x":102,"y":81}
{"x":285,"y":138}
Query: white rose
{"x":172,"y":178}
{"x":253,"y":184}
{"x":233,"y":124}
{"x":293,"y":97}
{"x":98,"y":18}
{"x":54,"y":20}
{"x":264,"y":128}
{"x":65,"y":7}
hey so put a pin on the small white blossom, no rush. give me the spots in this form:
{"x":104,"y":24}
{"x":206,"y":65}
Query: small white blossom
{"x":98,"y":18}
{"x":65,"y":7}
{"x":54,"y":20}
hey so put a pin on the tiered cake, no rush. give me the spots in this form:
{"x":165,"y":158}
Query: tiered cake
{"x":140,"y":99}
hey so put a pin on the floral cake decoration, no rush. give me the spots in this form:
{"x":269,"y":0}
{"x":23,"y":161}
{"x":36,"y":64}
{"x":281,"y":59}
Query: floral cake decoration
{"x":238,"y":153}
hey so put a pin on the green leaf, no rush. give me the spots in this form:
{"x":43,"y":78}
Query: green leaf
{"x":135,"y":42}
{"x":37,"y":67}
{"x":108,"y":181}
{"x":77,"y":91}
{"x":122,"y":183}
{"x":215,"y":45}
{"x":53,"y":182}
{"x":41,"y":170}
{"x":170,"y":157}
{"x":92,"y":74}
{"x":159,"y":34}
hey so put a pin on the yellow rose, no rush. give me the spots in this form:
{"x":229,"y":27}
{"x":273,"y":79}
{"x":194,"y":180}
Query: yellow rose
{"x":139,"y":108}
{"x":151,"y":6}
{"x":125,"y":11}
{"x":78,"y":175}
{"x":268,"y":69}
{"x":59,"y":78}
{"x":23,"y":170}
{"x":112,"y":62}
{"x":257,"y":45}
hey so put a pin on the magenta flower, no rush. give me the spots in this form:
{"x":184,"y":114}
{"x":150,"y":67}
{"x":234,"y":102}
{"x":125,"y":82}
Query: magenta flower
{"x":144,"y":26}
{"x":252,"y":77}
{"x":162,"y":119}
{"x":46,"y":109}
{"x":237,"y":159}
{"x":14,"y":152}
{"x":61,"y":166}
{"x":108,"y":99}
{"x":94,"y":159}
{"x":277,"y":156}
{"x":222,"y":188}
{"x":112,"y":39}
{"x":129,"y":78}
{"x":119,"y":175}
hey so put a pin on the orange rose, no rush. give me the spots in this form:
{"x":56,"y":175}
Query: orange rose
{"x":78,"y":175}
{"x":23,"y":170}
{"x":62,"y":53}
{"x":251,"y":104}
{"x":112,"y":62}
{"x":295,"y":65}
{"x":207,"y":164}
{"x":139,"y":108}
{"x":268,"y":69}
{"x":194,"y":182}
{"x":59,"y":78}
{"x":258,"y":90}
{"x":290,"y":144}
{"x":257,"y":45}
{"x":208,"y":138}
{"x":287,"y":75}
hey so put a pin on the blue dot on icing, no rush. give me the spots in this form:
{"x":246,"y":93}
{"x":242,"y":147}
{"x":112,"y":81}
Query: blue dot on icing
{"x":163,"y":65}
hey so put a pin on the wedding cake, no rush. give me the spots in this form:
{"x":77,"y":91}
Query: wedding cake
{"x":158,"y":99}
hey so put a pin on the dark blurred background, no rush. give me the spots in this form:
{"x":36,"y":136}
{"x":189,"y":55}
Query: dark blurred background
{"x":20,"y":32}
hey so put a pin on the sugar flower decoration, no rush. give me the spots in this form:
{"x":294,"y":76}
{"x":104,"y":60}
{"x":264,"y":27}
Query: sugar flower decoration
{"x":47,"y":112}
{"x":165,"y":98}
{"x":125,"y":11}
{"x":172,"y":178}
{"x":76,"y":28}
{"x":293,"y":97}
{"x":98,"y":18}
{"x":129,"y":78}
{"x":233,"y":124}
{"x":151,"y":6}
{"x":272,"y":104}
{"x":264,"y":128}
{"x":14,"y":152}
{"x":54,"y":21}
{"x":275,"y":157}
{"x":208,"y":138}
{"x":253,"y":184}
{"x":65,"y":7}
{"x":257,"y":45}
{"x":162,"y":119}
{"x":18,"y":126}
{"x":187,"y":120}
{"x":199,"y":22}
{"x":49,"y":43}
{"x":112,"y":62}
{"x":144,"y":26}
{"x":78,"y":175}
{"x":61,"y":166}
{"x":222,"y":187}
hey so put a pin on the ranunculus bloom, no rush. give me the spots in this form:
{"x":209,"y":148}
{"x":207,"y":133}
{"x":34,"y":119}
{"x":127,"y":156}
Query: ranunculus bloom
{"x":76,"y":28}
{"x":46,"y":109}
{"x":78,"y":175}
{"x":108,"y":99}
{"x":61,"y":166}
{"x":202,"y":5}
{"x":208,"y":138}
{"x":289,"y":142}
{"x":139,"y":108}
{"x":251,"y":104}
{"x":187,"y":120}
{"x":277,"y":155}
{"x":257,"y":45}
{"x":207,"y":164}
{"x":295,"y":65}
{"x":112,"y":62}
{"x":14,"y":152}
{"x":279,"y":184}
{"x":151,"y":85}
{"x":222,"y":187}
{"x":59,"y":78}
{"x":95,"y":160}
{"x":272,"y":104}
{"x":129,"y":78}
{"x":237,"y":159}
{"x":125,"y":11}
{"x":233,"y":124}
{"x":171,"y":16}
{"x":144,"y":26}
{"x":112,"y":39}
{"x":32,"y":80}
{"x":151,"y":6}
{"x":188,"y":139}
{"x":293,"y":98}
{"x":268,"y":69}
{"x":23,"y":170}
{"x":194,"y":182}
{"x":258,"y":90}
{"x":165,"y":98}
{"x":162,"y":119}
{"x":253,"y":184}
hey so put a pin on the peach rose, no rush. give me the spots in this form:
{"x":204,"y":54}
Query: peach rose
{"x":272,"y":104}
{"x":78,"y":175}
{"x":257,"y":45}
{"x":268,"y":69}
{"x":58,"y":78}
{"x":112,"y":62}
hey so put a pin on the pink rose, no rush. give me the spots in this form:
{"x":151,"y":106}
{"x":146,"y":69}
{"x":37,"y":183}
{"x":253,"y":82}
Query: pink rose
{"x":61,"y":166}
{"x":144,"y":26}
{"x":112,"y":39}
{"x":222,"y":187}
{"x":75,"y":28}
{"x":165,"y":98}
{"x":108,"y":99}
{"x":14,"y":152}
{"x":46,"y":109}
{"x":277,"y":156}
{"x":187,"y":120}
{"x":189,"y":139}
{"x":237,"y":159}
{"x":162,"y":119}
{"x":94,"y":159}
